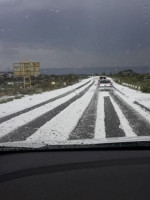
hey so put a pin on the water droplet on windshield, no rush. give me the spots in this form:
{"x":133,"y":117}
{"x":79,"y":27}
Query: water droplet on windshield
{"x":57,"y":11}
{"x":51,"y":9}
{"x":146,"y":6}
{"x":98,"y":4}
{"x":27,"y":16}
{"x":127,"y":51}
{"x":67,"y":27}
{"x":138,"y":45}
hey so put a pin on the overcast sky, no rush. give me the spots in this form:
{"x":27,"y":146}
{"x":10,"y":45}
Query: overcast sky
{"x":75,"y":33}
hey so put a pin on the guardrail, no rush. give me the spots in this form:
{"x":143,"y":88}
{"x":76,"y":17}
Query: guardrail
{"x":132,"y":86}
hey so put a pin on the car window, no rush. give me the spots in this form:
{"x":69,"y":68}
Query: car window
{"x":105,"y":81}
{"x":53,"y":55}
{"x":102,"y":77}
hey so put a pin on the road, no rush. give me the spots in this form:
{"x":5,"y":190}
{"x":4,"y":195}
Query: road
{"x":85,"y":112}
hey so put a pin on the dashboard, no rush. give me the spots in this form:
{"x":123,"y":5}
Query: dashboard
{"x":75,"y":174}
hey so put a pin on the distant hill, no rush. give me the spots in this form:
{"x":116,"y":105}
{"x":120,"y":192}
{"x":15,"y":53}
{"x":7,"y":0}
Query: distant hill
{"x":93,"y":70}
{"x":90,"y":71}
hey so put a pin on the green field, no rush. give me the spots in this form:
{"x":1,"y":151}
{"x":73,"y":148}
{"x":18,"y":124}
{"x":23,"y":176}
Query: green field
{"x":12,"y":88}
{"x":142,"y":81}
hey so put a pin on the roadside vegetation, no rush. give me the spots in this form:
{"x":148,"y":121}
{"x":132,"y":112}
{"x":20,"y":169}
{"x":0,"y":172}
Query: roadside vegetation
{"x":12,"y":88}
{"x":133,"y":80}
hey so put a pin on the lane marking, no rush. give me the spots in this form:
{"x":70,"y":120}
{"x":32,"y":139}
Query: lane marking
{"x":112,"y":122}
{"x":30,"y":101}
{"x":21,"y":120}
{"x":86,"y":125}
{"x":60,"y":127}
{"x":139,"y":124}
{"x":137,"y":108}
{"x":124,"y":124}
{"x":100,"y":124}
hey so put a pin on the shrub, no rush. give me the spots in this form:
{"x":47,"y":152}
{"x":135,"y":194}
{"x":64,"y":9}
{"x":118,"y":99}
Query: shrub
{"x":6,"y":100}
{"x":145,"y":88}
{"x":19,"y":97}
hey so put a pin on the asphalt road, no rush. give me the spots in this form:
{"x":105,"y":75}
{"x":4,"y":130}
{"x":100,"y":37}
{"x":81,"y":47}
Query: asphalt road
{"x":6,"y":118}
{"x":85,"y":127}
{"x":23,"y":132}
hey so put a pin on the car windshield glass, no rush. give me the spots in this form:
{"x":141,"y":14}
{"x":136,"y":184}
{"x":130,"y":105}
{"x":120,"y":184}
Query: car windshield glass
{"x":55,"y":56}
{"x":105,"y":81}
{"x":102,"y":77}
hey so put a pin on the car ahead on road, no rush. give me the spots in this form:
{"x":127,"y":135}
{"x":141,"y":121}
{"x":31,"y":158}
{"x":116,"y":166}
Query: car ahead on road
{"x":105,"y":84}
{"x":102,"y":77}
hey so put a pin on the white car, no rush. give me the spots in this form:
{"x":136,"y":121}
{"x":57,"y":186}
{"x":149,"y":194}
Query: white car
{"x":105,"y":84}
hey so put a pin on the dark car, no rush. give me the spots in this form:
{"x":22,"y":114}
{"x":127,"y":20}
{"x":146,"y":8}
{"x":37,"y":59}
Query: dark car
{"x":102,"y":77}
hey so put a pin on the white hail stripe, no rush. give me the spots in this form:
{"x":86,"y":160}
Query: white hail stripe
{"x":18,"y":121}
{"x":124,"y":124}
{"x":100,"y":120}
{"x":61,"y":126}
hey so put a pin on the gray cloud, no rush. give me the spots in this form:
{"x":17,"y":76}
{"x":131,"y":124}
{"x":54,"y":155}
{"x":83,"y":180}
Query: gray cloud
{"x":69,"y":33}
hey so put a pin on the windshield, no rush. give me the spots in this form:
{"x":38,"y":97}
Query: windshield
{"x":54,"y":55}
{"x":105,"y":81}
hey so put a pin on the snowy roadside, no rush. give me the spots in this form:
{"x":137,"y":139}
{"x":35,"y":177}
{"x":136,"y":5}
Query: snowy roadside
{"x":29,"y":101}
{"x":6,"y":97}
{"x":25,"y":118}
{"x":134,"y":95}
{"x":100,"y":121}
{"x":130,"y":96}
